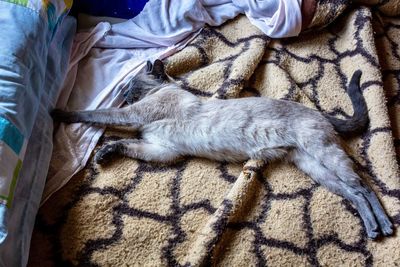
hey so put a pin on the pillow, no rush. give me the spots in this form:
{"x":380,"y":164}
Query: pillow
{"x":28,"y":29}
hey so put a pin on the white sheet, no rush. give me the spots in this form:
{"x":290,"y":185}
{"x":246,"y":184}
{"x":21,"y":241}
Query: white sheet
{"x":165,"y":22}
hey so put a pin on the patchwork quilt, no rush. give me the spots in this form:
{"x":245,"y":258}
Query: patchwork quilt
{"x":199,"y":212}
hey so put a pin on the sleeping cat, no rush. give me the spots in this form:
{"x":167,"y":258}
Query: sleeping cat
{"x":175,"y":123}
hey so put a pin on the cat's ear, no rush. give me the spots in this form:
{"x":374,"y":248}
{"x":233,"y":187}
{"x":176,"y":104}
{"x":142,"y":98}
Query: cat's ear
{"x":158,"y":68}
{"x":149,"y":66}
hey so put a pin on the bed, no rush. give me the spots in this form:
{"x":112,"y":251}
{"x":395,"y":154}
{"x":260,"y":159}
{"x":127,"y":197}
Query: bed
{"x":199,"y":212}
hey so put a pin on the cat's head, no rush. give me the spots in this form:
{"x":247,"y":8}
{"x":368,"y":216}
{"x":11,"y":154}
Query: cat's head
{"x":157,"y":70}
{"x":147,"y":82}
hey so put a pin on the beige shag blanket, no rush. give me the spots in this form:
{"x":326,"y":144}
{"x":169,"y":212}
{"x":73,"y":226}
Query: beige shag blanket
{"x":199,"y":212}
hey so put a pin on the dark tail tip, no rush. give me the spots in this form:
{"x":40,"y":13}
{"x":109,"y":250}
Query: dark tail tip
{"x":357,"y":75}
{"x":61,"y":115}
{"x":57,"y":114}
{"x":355,"y":79}
{"x":359,"y":121}
{"x":54,"y":113}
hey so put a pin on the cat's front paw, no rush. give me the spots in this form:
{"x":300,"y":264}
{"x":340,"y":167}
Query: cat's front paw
{"x":105,"y":153}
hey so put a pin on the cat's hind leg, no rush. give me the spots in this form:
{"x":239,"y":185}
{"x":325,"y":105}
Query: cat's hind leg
{"x":351,"y":189}
{"x":335,"y":159}
{"x":381,"y":216}
{"x":137,"y":149}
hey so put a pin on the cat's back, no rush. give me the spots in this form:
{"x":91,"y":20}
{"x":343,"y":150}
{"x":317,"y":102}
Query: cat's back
{"x":256,"y":107}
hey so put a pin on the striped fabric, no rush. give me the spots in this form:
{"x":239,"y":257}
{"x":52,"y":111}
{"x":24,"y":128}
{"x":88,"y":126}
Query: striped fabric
{"x":12,"y":151}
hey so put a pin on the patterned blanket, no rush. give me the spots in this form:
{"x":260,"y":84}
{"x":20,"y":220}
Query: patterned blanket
{"x":199,"y":212}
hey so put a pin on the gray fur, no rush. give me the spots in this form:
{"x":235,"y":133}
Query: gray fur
{"x":175,"y":123}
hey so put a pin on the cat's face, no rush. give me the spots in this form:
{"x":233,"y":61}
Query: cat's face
{"x":143,"y":83}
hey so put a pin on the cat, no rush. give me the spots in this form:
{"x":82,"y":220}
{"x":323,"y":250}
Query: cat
{"x":175,"y":123}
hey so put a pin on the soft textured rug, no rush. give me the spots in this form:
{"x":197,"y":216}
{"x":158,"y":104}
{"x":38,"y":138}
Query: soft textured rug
{"x":199,"y":212}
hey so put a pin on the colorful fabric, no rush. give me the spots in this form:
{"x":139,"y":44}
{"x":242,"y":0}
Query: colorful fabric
{"x":53,"y":11}
{"x":12,"y":151}
{"x":33,"y":63}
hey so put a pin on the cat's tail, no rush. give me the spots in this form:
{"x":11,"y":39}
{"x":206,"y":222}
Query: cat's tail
{"x":359,"y":121}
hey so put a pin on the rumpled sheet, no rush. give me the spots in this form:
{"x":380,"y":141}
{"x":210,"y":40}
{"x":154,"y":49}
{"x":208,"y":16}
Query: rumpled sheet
{"x":166,"y":22}
{"x":106,"y":57}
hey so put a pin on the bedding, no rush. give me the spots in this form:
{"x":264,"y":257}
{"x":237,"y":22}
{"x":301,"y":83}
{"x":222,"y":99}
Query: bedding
{"x":34,"y":53}
{"x":163,"y":23}
{"x":200,"y":212}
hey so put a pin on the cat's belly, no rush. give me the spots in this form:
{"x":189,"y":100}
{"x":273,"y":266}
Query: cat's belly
{"x":224,"y":144}
{"x":217,"y":152}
